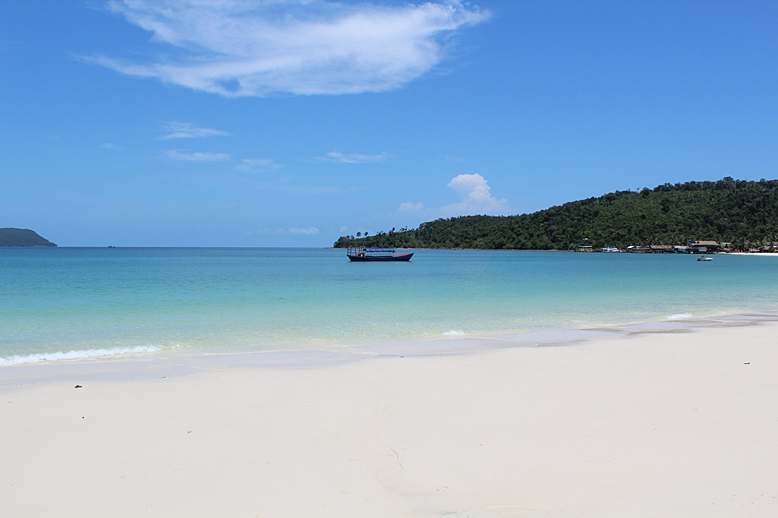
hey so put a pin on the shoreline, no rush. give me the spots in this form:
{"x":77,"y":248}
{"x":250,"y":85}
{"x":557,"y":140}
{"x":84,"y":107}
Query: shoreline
{"x":149,"y":364}
{"x":621,"y":251}
{"x":657,"y":422}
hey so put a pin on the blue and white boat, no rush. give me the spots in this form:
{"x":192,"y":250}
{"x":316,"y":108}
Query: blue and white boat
{"x":376,"y":254}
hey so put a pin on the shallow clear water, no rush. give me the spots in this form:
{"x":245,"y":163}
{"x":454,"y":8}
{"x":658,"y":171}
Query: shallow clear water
{"x":85,"y":302}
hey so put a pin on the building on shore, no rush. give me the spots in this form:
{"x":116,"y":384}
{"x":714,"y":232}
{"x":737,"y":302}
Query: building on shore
{"x":692,"y":247}
{"x":705,"y":247}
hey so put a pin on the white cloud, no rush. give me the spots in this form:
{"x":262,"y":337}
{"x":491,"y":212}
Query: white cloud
{"x":408,"y":206}
{"x":353,"y":158}
{"x":257,"y":165}
{"x":174,"y":154}
{"x":265,"y":47}
{"x":476,"y":196}
{"x":186,"y":130}
{"x":310,"y":231}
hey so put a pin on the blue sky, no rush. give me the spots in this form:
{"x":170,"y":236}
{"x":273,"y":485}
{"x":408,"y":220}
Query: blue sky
{"x":293,"y":122}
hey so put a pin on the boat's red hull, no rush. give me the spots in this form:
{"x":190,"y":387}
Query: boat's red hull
{"x":367,"y":258}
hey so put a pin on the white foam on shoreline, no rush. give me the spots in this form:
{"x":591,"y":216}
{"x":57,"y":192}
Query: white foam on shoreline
{"x":152,"y":362}
{"x":20,"y":359}
{"x":680,"y":316}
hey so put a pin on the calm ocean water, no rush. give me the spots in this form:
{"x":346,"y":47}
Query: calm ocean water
{"x":66,"y":303}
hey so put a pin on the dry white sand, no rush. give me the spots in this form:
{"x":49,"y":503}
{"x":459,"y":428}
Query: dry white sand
{"x":670,"y":425}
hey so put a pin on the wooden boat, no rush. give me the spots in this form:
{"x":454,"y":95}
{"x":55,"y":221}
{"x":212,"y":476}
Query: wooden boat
{"x":376,"y":254}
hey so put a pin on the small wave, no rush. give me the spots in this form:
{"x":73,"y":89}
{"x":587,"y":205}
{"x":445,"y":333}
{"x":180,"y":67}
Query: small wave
{"x":453,"y":332}
{"x":680,"y":316}
{"x":76,"y":355}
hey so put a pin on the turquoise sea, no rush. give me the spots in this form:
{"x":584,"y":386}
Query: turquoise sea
{"x":64,"y":304}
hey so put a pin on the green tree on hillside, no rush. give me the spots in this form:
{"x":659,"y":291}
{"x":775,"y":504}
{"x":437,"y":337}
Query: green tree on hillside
{"x":728,"y":210}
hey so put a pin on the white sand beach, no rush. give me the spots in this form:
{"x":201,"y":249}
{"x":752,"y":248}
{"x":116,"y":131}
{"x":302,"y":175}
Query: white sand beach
{"x":657,"y":424}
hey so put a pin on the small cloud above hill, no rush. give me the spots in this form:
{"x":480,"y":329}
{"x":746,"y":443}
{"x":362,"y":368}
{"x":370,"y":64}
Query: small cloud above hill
{"x":475,"y":195}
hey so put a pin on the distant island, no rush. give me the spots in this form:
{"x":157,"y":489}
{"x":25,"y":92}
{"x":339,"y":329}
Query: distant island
{"x":743,"y":214}
{"x":22,"y":237}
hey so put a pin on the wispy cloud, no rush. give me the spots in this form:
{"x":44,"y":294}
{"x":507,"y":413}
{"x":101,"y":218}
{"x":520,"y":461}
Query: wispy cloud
{"x":175,"y":154}
{"x":257,"y":165}
{"x":309,"y":231}
{"x":176,"y":129}
{"x":474,"y":193}
{"x":266,"y":47}
{"x":353,"y":158}
{"x":408,"y":206}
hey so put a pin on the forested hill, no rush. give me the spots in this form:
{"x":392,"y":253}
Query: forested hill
{"x":22,"y":237}
{"x":727,"y":210}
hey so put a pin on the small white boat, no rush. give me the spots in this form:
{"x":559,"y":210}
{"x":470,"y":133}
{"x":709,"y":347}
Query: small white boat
{"x":704,"y":258}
